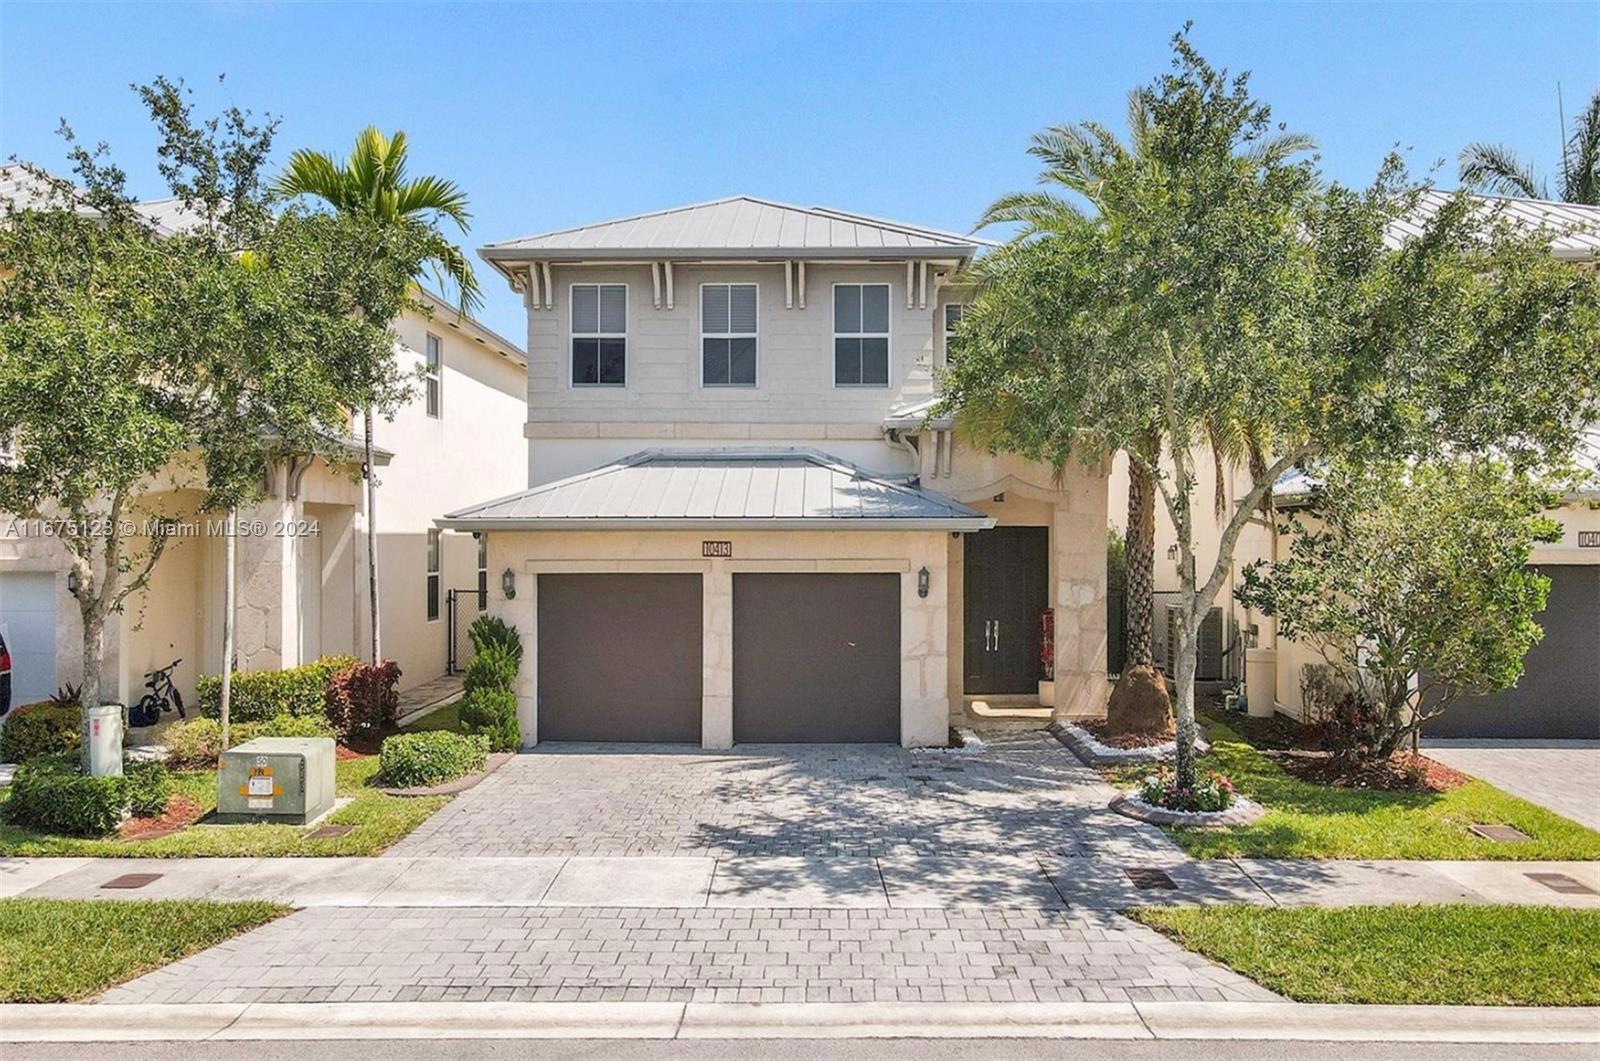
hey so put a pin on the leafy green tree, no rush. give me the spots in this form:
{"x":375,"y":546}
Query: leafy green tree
{"x":372,"y":184}
{"x":1221,"y":283}
{"x":1087,"y":160}
{"x":1417,"y":579}
{"x":1496,"y":168}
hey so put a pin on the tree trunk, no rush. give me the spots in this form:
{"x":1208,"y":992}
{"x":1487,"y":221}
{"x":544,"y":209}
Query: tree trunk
{"x":372,"y":530}
{"x":1140,"y":541}
{"x":229,"y":552}
{"x":1186,"y":661}
{"x":92,"y":692}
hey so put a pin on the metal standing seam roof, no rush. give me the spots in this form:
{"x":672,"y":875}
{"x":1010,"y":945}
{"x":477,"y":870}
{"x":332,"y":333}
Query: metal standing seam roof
{"x":1574,"y":228}
{"x":758,"y":489}
{"x":740,"y":226}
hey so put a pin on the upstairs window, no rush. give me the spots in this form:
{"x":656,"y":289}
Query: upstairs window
{"x":952,"y":319}
{"x":432,"y":358}
{"x":861,"y":335}
{"x":433,"y":575}
{"x":728,"y":335}
{"x":599,"y":335}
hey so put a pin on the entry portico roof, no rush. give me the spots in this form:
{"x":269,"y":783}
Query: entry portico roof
{"x":753,"y":489}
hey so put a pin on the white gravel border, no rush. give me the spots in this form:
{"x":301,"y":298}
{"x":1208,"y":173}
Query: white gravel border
{"x":1242,"y":812}
{"x":1087,"y":747}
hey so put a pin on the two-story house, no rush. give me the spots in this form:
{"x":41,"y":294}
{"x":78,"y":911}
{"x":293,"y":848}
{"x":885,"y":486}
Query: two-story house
{"x":741,"y":523}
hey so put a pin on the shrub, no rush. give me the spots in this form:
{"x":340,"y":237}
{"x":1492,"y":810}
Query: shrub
{"x":491,"y":669}
{"x":362,"y":699}
{"x":489,"y":632}
{"x":149,"y":787}
{"x":414,"y":759}
{"x":197,"y":744}
{"x":40,"y":729}
{"x":1213,"y":792}
{"x":260,"y":695}
{"x":52,"y":795}
{"x":492,"y":713}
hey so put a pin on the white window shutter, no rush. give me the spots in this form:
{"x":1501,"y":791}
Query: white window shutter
{"x":742,"y":309}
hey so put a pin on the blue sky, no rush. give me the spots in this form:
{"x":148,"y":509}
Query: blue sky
{"x":556,"y":115}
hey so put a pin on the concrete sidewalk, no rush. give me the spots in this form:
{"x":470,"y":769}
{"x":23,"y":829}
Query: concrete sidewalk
{"x":1284,"y":1021}
{"x":859,"y":882}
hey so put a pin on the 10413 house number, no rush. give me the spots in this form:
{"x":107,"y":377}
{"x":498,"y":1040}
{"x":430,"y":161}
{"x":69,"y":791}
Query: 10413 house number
{"x":721,"y":550}
{"x":1589,"y":539}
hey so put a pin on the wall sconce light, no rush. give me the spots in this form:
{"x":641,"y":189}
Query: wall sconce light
{"x":1172,"y":551}
{"x":922,"y":583}
{"x":508,"y":584}
{"x":73,"y":582}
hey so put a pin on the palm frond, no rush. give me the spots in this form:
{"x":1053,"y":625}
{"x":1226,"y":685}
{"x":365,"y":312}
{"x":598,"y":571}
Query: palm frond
{"x":1280,"y":148}
{"x":316,"y":174}
{"x":1580,"y":176}
{"x":433,"y":193}
{"x":1036,"y":212}
{"x":1495,"y":168}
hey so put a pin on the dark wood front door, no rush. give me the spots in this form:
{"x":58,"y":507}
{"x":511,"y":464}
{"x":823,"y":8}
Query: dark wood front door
{"x":1006,"y":575}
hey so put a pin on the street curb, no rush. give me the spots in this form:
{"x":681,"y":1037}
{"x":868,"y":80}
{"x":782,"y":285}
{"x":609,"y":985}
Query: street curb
{"x":1287,"y":1021}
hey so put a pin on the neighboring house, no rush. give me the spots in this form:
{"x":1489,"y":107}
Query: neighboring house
{"x":1557,"y":697}
{"x":741,"y":525}
{"x":301,"y":561}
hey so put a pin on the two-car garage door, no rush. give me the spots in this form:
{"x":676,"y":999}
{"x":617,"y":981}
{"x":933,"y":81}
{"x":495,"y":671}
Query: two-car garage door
{"x":816,"y":657}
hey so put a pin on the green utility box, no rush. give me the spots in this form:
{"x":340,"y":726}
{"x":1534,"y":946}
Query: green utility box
{"x":276,"y":779}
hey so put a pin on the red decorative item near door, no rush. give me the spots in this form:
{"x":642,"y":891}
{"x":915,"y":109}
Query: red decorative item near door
{"x":1047,"y":644}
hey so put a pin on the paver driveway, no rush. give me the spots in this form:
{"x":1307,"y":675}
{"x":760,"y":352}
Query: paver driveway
{"x":1559,"y":775}
{"x":1023,"y":794}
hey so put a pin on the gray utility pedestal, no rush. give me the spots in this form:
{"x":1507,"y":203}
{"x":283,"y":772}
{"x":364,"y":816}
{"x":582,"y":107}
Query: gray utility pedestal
{"x":276,"y":779}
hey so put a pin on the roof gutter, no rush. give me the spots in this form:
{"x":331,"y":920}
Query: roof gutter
{"x":846,"y":523}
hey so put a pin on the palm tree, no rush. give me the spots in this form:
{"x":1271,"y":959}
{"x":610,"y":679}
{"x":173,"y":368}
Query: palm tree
{"x":373,"y":182}
{"x":1084,"y":159}
{"x":1495,"y":168}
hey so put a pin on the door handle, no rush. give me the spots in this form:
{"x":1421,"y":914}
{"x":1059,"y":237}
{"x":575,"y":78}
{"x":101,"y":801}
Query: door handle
{"x":997,"y":635}
{"x":988,"y":626}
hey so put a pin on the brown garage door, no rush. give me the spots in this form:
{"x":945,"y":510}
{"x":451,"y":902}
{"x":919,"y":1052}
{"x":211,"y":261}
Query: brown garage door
{"x":816,"y":658}
{"x":619,"y":657}
{"x":1558,"y":695}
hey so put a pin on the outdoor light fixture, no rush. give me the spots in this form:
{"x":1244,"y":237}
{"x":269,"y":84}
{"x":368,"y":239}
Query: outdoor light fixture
{"x":1172,"y":552}
{"x":73,"y":582}
{"x":508,"y":583}
{"x":922,"y":583}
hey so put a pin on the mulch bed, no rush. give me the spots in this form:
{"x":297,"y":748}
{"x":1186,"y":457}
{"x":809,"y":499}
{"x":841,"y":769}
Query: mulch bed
{"x":344,"y":753}
{"x":181,"y":811}
{"x":1098,"y":727}
{"x":1399,"y":773}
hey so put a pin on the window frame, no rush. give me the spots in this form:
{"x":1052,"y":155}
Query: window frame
{"x":432,"y":593}
{"x":483,"y":570}
{"x":944,"y":321}
{"x":573,"y":334}
{"x":730,"y":335}
{"x":887,"y":335}
{"x":433,"y":376}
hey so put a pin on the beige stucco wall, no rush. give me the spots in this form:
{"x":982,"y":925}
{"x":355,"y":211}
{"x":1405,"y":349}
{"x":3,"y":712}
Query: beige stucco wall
{"x":472,"y":452}
{"x":924,"y":622}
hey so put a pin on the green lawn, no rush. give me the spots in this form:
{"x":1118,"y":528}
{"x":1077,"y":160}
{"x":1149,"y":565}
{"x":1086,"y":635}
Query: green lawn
{"x":379,"y":821}
{"x":56,"y":950}
{"x":447,"y":717}
{"x":1307,"y":820}
{"x":1400,"y":955}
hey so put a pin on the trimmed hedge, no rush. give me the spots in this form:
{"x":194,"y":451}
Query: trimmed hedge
{"x":489,"y":632}
{"x":49,"y":794}
{"x":260,"y":695}
{"x":149,"y":787}
{"x":39,"y":729}
{"x":493,"y":668}
{"x":492,"y":714}
{"x":416,"y":759}
{"x":197,"y":743}
{"x":362,"y":699}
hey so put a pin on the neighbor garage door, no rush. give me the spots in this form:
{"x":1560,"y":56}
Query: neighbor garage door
{"x":619,"y":657}
{"x":816,"y":657}
{"x":1558,"y":696}
{"x":28,"y":616}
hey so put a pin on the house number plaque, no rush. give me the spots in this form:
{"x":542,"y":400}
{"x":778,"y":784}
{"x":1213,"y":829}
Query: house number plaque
{"x":1589,"y":539}
{"x":716,"y":549}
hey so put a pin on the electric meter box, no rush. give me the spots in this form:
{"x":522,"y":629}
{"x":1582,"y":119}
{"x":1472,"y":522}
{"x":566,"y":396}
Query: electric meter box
{"x":276,"y":779}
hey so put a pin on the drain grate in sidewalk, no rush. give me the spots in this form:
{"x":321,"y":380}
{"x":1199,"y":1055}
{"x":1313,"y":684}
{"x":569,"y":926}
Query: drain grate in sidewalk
{"x":132,"y":880}
{"x":1147,"y":877}
{"x":1560,"y":882}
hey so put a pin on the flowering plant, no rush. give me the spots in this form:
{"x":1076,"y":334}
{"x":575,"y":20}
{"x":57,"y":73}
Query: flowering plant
{"x":1047,"y":644}
{"x":1213,"y":792}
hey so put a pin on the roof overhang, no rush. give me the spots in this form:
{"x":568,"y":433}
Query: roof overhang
{"x":816,"y":523}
